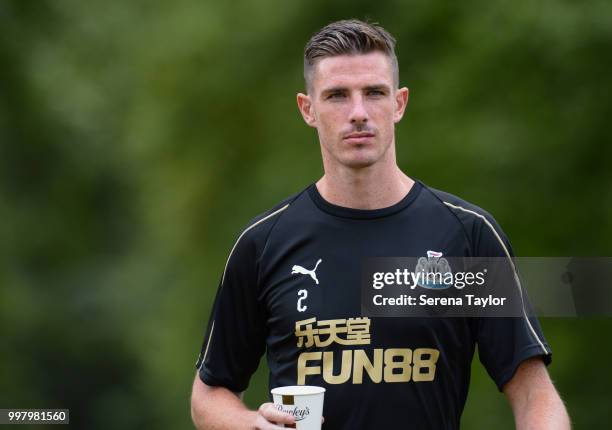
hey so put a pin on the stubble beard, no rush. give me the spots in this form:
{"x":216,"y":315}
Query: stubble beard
{"x":352,"y":158}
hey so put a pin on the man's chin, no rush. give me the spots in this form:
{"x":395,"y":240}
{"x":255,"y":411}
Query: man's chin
{"x":359,"y":162}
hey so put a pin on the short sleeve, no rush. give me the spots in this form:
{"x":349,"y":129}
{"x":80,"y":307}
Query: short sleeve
{"x":236,"y":334}
{"x":505,"y":342}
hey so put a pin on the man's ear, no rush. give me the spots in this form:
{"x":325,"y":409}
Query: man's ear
{"x":401,"y":100}
{"x":305,"y":106}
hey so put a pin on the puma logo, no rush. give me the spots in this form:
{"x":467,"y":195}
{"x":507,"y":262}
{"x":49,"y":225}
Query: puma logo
{"x":302,"y":271}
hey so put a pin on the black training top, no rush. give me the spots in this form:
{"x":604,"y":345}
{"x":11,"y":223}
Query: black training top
{"x":291,"y":288}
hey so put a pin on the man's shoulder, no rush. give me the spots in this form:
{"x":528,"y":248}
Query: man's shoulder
{"x":262,"y":224}
{"x":480,"y":226}
{"x":463,"y":209}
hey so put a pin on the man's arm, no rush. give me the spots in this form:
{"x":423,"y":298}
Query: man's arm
{"x":217,"y":408}
{"x":534,"y":400}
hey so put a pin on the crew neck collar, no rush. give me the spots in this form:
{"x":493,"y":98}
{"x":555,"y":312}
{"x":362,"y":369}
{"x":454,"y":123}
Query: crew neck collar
{"x":353,"y":213}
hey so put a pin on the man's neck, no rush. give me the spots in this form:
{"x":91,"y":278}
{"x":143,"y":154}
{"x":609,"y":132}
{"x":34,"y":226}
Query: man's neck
{"x":372,"y":187}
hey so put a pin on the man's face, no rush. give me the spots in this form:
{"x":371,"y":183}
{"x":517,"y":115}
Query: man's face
{"x":354,"y":104}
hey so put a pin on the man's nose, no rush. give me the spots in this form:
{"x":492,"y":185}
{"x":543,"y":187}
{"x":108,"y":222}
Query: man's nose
{"x":359,"y":114}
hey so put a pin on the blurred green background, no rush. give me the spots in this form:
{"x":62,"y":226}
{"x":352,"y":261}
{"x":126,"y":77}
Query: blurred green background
{"x":137,"y":139}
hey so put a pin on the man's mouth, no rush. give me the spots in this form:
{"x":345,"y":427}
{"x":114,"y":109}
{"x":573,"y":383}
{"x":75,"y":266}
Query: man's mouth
{"x":359,"y":137}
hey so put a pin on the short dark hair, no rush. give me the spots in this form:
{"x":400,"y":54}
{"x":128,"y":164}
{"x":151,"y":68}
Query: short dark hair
{"x":348,"y":37}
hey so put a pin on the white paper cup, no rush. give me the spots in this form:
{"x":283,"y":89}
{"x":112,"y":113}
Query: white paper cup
{"x":304,"y":402}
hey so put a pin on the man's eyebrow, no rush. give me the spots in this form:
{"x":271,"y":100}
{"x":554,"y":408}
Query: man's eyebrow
{"x":334,"y":90}
{"x":383,"y":87}
{"x":339,"y":89}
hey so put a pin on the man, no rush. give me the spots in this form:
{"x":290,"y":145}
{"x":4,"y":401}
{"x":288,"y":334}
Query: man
{"x":291,"y":283}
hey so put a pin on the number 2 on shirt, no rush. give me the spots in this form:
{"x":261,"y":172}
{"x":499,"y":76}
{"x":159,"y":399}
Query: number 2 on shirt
{"x":302,"y":294}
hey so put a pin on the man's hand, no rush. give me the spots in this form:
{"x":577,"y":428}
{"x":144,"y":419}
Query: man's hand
{"x":268,"y":416}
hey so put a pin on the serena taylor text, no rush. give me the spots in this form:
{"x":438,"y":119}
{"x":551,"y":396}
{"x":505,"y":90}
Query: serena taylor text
{"x":424,"y":300}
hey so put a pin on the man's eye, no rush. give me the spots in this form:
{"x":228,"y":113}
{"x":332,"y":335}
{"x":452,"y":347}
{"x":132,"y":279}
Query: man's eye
{"x":376,"y":93}
{"x":335,"y":96}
